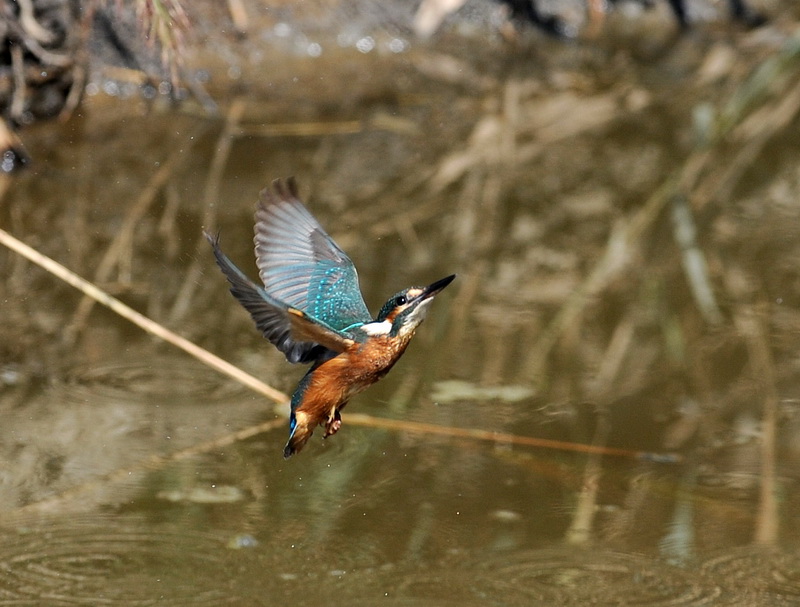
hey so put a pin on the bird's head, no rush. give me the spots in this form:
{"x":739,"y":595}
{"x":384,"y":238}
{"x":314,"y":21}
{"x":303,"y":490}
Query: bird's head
{"x":404,"y":311}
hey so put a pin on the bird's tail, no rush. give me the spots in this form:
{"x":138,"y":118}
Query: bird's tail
{"x":298,"y":437}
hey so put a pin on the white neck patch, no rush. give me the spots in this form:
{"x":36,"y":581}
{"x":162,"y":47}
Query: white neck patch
{"x":377,"y":328}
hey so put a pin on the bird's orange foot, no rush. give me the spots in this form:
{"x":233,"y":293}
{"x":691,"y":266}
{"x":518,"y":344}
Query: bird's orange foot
{"x":333,"y":425}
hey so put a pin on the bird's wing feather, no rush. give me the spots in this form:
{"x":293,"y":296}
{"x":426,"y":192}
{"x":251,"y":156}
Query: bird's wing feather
{"x":276,"y":320}
{"x":306,"y":328}
{"x":300,"y":264}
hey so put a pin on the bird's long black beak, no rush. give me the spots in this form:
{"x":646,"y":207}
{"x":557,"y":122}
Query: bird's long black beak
{"x":435,"y":288}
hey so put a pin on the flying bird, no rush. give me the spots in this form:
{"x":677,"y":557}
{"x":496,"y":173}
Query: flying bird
{"x":311,"y":308}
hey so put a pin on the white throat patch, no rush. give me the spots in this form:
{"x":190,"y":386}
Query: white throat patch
{"x":377,"y":328}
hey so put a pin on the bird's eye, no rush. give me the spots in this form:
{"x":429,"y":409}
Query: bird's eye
{"x":401,"y":300}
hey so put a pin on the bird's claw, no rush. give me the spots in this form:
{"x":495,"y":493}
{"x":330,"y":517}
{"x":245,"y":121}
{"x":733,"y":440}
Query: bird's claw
{"x":333,"y":425}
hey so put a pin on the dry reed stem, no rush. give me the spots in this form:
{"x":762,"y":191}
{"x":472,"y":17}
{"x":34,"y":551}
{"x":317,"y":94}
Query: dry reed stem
{"x":300,"y":129}
{"x":238,"y":13}
{"x":80,"y":75}
{"x":140,"y":320}
{"x":504,"y":438}
{"x":27,"y":19}
{"x":611,"y":362}
{"x":694,"y":261}
{"x":750,"y":323}
{"x":33,"y":46}
{"x":17,"y":106}
{"x":580,"y":529}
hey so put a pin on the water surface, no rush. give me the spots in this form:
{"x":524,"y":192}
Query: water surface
{"x":518,"y":168}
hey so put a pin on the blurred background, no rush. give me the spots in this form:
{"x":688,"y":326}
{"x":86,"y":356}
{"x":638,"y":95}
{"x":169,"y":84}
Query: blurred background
{"x":615,"y":184}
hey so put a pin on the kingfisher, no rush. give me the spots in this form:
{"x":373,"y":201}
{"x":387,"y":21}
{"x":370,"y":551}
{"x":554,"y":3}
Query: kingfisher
{"x":311,"y":309}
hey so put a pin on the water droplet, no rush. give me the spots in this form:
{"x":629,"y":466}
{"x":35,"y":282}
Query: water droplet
{"x":398,"y":45}
{"x":111,"y":88}
{"x":366,"y":44}
{"x":7,"y":164}
{"x":282,"y":30}
{"x":234,"y":72}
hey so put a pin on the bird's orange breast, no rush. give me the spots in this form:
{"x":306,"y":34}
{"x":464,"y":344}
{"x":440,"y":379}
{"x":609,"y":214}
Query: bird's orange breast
{"x":337,"y":380}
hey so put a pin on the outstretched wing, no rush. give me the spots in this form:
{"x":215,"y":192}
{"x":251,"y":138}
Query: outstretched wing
{"x":300,"y":265}
{"x":300,"y":338}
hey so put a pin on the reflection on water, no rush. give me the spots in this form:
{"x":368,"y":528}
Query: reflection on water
{"x":135,"y":559}
{"x":131,"y":475}
{"x":147,"y":380}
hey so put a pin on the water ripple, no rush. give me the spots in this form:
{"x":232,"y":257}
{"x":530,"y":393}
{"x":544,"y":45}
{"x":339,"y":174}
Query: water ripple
{"x":757,"y":576}
{"x":567,"y":576}
{"x":100,"y":561}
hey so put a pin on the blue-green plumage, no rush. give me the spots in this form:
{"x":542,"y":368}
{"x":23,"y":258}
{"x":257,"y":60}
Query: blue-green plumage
{"x":301,"y":263}
{"x":312,"y":310}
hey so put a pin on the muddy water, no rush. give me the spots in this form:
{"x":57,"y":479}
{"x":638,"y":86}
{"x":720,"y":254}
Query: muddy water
{"x":124,"y":481}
